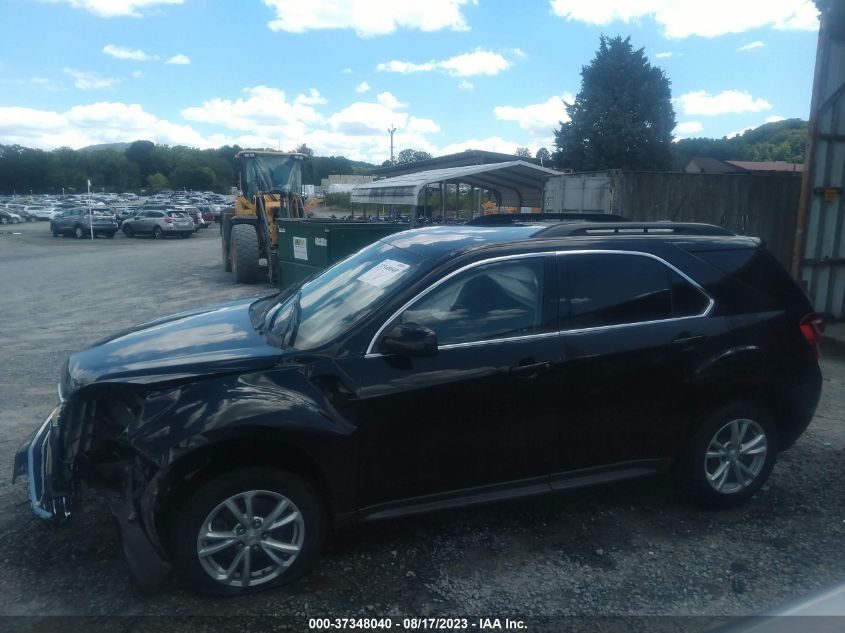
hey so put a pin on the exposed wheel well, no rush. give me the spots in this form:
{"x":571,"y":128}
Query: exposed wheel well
{"x":209,"y":462}
{"x":768,"y":397}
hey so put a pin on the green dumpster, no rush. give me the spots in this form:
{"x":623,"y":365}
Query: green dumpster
{"x":307,"y":246}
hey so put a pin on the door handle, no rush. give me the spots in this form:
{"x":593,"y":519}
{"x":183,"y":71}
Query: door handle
{"x":529,"y":370}
{"x":685,"y":339}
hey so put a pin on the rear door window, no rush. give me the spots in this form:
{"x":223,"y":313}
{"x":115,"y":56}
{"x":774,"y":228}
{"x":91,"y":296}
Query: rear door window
{"x":610,"y":289}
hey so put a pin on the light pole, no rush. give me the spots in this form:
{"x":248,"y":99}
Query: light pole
{"x":390,"y":131}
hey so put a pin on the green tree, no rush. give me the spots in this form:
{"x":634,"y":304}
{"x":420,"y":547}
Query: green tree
{"x":411,"y":156}
{"x":158,"y":181}
{"x":543,"y":155}
{"x":622,"y":118}
{"x":523,"y":152}
{"x":304,"y":149}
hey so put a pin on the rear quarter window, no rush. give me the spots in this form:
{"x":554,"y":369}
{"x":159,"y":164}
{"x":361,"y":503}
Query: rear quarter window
{"x":757,"y":281}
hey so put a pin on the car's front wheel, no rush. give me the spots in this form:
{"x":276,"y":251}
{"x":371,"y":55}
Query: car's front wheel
{"x":731,"y":454}
{"x":78,"y":232}
{"x":157,"y":233}
{"x":247,"y":530}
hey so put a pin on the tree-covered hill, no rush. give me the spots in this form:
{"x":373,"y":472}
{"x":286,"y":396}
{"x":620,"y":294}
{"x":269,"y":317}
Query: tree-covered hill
{"x":141,"y":165}
{"x":783,"y":140}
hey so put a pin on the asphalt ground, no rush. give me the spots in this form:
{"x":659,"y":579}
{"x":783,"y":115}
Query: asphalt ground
{"x":630,"y":549}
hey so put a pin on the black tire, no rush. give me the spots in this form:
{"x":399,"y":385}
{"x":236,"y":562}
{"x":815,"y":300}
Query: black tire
{"x":697,"y":469}
{"x":184,"y":236}
{"x":78,"y":232}
{"x":189,"y":518}
{"x":244,"y":253}
{"x":4,"y":220}
{"x":109,"y":235}
{"x":15,"y":221}
{"x":157,"y":233}
{"x":127,"y":231}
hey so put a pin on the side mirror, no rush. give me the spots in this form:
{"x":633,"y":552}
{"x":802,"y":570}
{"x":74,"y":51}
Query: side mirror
{"x":410,"y":339}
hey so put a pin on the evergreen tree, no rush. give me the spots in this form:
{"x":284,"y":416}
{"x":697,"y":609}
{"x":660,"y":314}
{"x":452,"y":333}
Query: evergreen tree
{"x":622,"y":118}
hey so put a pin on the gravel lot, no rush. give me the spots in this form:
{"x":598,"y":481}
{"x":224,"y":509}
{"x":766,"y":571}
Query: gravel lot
{"x":628,"y":549}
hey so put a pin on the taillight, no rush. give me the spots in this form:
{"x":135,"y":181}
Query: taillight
{"x":812,"y":327}
{"x":168,"y":220}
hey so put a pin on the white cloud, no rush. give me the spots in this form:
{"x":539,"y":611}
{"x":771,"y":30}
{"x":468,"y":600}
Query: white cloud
{"x":689,"y":127}
{"x":727,"y":101}
{"x":367,"y":18}
{"x":739,"y":132}
{"x":102,"y":122}
{"x":87,"y":80}
{"x":346,"y":71}
{"x":137,"y":73}
{"x":477,"y":62}
{"x":539,"y":119}
{"x":122,"y":52}
{"x":466,"y":85}
{"x":664,"y":55}
{"x":774,"y":118}
{"x":490,"y":144}
{"x":41,"y":82}
{"x":362,"y":87}
{"x":117,"y":8}
{"x":396,"y":66}
{"x":682,"y":18}
{"x":265,"y":113}
{"x":751,"y":46}
{"x":182,"y":60}
{"x":312,"y":98}
{"x":263,"y":117}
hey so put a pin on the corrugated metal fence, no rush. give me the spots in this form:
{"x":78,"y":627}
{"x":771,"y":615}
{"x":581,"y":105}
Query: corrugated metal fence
{"x":823,"y":262}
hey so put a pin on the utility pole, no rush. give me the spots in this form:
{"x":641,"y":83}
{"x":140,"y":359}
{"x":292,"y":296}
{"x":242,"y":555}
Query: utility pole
{"x":390,"y":131}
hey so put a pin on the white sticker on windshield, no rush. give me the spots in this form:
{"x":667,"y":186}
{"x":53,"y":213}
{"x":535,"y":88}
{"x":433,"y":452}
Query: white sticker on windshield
{"x":383,"y":274}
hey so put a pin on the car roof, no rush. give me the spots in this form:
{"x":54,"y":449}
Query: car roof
{"x":448,"y":241}
{"x":437,"y":241}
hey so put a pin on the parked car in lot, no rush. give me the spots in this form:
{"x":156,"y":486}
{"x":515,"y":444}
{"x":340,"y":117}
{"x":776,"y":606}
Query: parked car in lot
{"x":7,"y":218}
{"x":159,"y":224}
{"x":435,"y":368}
{"x":76,"y":222}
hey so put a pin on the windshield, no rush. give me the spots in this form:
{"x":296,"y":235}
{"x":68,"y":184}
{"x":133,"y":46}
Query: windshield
{"x":269,"y":172}
{"x":334,"y":301}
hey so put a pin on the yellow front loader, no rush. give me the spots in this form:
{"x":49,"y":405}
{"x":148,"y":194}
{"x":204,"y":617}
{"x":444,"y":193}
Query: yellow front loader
{"x":270,"y":189}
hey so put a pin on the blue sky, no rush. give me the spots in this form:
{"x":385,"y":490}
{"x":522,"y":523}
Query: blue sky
{"x":335,"y":74}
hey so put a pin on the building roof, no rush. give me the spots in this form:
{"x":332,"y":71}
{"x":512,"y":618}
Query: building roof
{"x":707,"y":165}
{"x":516,"y":183}
{"x":460,"y":159}
{"x":773,"y":165}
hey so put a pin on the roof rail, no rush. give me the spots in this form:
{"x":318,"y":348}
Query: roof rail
{"x":498,"y":219}
{"x":632,"y":228}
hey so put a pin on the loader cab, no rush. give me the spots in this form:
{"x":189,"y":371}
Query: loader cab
{"x":269,"y":172}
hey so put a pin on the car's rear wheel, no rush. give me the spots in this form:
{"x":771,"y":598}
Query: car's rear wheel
{"x":78,"y":232}
{"x":731,"y":454}
{"x":157,"y":233}
{"x":247,"y":530}
{"x":127,"y":231}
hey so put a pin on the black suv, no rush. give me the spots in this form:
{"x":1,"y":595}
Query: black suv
{"x":434,"y":368}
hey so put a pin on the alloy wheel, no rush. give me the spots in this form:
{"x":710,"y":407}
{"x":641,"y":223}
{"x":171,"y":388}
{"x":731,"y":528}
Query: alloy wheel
{"x":250,"y":538}
{"x":735,"y":456}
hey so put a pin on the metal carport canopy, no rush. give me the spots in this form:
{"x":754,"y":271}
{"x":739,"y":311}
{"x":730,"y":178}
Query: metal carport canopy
{"x":518,"y":183}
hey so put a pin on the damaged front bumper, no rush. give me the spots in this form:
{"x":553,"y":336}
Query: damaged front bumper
{"x":35,"y":460}
{"x":38,"y":460}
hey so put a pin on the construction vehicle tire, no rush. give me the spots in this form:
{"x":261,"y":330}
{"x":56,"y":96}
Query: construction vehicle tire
{"x":244,"y":253}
